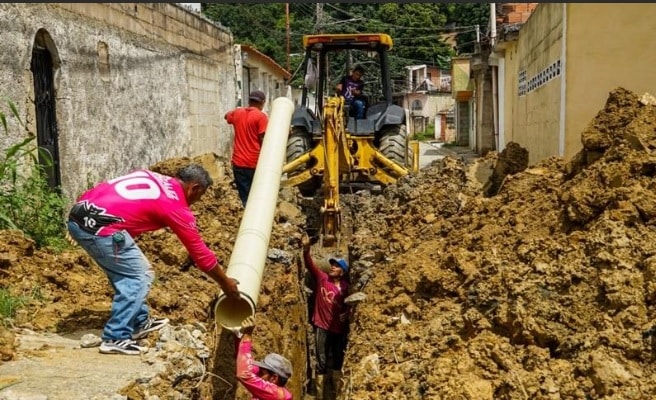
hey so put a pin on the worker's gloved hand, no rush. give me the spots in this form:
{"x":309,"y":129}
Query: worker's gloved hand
{"x":247,"y":325}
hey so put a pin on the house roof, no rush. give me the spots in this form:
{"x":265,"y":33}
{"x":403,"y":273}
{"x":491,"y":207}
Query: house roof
{"x":266,"y":59}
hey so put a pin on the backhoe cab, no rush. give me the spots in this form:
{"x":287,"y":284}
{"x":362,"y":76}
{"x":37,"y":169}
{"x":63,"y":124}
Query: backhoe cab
{"x":327,"y":146}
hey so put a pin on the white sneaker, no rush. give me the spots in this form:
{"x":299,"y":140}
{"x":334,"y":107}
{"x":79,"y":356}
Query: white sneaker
{"x":151,"y":325}
{"x":121,"y":346}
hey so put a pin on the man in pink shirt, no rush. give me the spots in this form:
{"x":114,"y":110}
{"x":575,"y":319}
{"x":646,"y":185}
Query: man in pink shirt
{"x":104,"y":222}
{"x":265,"y":379}
{"x":329,"y":318}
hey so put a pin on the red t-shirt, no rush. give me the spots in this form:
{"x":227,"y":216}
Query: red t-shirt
{"x":249,"y":124}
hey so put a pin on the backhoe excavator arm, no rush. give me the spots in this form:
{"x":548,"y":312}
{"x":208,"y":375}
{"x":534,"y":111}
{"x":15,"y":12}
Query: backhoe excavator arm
{"x":334,"y":139}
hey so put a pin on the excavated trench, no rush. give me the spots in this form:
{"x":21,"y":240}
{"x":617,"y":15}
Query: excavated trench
{"x":284,"y":308}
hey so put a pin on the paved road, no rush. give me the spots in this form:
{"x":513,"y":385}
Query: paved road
{"x":54,"y":367}
{"x":430,"y":151}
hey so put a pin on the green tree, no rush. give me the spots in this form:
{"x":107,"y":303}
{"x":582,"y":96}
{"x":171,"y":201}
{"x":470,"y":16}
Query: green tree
{"x":416,"y":28}
{"x":469,"y":15}
{"x":264,"y":26}
{"x":259,"y":25}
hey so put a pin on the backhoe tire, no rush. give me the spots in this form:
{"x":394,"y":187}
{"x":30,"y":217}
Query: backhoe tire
{"x":299,"y":143}
{"x":394,"y":143}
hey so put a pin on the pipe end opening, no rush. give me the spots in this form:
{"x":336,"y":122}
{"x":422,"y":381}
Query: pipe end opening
{"x":230,"y":313}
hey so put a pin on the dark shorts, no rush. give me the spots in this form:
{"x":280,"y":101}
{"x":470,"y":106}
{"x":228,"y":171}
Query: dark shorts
{"x":330,"y":350}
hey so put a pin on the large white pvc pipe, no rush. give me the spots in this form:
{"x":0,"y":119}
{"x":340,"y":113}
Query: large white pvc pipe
{"x":251,"y":246}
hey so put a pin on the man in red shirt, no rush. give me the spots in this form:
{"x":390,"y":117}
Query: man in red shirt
{"x":330,"y":318}
{"x":250,"y":124}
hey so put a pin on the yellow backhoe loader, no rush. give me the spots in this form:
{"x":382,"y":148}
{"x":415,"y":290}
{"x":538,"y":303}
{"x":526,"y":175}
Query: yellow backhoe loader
{"x":327,"y":146}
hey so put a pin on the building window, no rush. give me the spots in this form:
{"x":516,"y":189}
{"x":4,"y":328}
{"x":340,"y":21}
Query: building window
{"x":416,"y":105}
{"x":538,"y":80}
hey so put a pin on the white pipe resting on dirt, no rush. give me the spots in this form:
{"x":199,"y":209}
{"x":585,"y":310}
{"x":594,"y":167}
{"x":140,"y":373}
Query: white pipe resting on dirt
{"x":251,"y":246}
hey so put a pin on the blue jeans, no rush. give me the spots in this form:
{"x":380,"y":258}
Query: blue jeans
{"x":243,"y":180}
{"x":129,"y":273}
{"x":359,"y":107}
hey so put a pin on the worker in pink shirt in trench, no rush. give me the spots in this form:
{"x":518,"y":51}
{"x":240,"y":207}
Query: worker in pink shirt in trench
{"x":265,"y":379}
{"x":330,"y":319}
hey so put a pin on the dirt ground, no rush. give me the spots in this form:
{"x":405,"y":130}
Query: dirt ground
{"x":545,"y":290}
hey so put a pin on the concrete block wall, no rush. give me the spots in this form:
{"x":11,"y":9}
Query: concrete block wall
{"x":135,"y":83}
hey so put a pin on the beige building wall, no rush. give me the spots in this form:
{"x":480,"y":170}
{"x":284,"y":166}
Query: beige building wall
{"x":135,"y":83}
{"x":484,"y":140}
{"x":608,"y":46}
{"x":431,"y":105}
{"x":605,"y":46}
{"x":462,"y":88}
{"x":535,"y":109}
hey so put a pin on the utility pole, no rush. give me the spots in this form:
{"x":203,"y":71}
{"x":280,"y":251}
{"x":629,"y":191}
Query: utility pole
{"x":318,"y":26}
{"x":317,"y":29}
{"x":287,"y":26}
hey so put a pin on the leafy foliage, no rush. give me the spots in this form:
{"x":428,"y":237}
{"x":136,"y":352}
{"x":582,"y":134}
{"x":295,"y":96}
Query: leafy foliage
{"x":427,"y":134}
{"x":416,"y":28}
{"x":27,"y":203}
{"x":10,"y":303}
{"x":470,"y":14}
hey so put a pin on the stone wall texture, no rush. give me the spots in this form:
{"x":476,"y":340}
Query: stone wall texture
{"x":134,"y":83}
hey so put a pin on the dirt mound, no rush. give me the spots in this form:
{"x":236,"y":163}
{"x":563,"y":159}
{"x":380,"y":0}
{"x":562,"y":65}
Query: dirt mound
{"x":513,"y":159}
{"x":67,"y":292}
{"x":542,"y":291}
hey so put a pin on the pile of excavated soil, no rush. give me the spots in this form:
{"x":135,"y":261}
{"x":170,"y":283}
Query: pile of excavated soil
{"x":543,"y":291}
{"x":67,"y":292}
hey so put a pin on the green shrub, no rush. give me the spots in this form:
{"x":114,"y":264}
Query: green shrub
{"x":9,"y":305}
{"x":427,"y":134}
{"x":27,"y":202}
